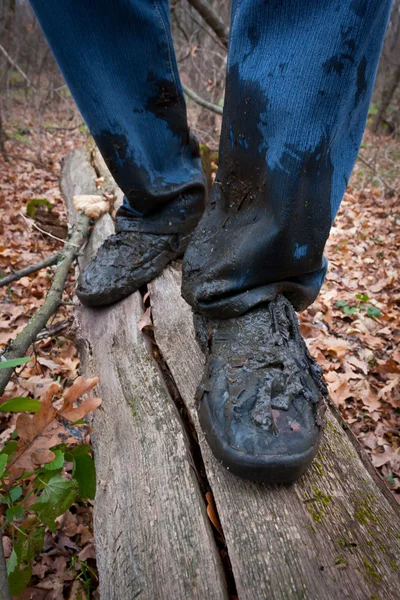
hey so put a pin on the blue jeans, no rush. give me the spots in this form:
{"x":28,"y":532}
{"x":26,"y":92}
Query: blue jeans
{"x":299,"y":81}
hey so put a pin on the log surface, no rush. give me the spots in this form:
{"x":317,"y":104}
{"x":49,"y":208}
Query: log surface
{"x":333,"y":535}
{"x":153,"y":537}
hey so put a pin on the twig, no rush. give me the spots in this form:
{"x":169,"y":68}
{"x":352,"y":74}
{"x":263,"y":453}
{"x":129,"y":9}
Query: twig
{"x":52,"y":330}
{"x":37,"y":164}
{"x":53,"y":127}
{"x":28,"y":335}
{"x":216,"y":40}
{"x":202,"y":102}
{"x":33,"y":224}
{"x":212,"y":19}
{"x":14,"y":64}
{"x":375,"y":171}
{"x":47,"y":262}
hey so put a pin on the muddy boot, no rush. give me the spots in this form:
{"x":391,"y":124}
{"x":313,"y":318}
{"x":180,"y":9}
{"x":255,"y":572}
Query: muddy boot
{"x":131,"y":258}
{"x":260,"y":402}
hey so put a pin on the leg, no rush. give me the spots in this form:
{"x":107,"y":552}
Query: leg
{"x":299,"y":82}
{"x":118,"y":60}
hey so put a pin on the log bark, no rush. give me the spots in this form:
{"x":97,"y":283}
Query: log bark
{"x":4,"y":589}
{"x":153,"y":537}
{"x":334,"y":534}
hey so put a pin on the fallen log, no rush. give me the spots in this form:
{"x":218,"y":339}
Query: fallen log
{"x":335,"y":534}
{"x":153,"y":536}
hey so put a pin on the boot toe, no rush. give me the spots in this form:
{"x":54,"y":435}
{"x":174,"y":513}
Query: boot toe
{"x":279,"y":451}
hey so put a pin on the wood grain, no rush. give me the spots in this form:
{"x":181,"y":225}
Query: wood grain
{"x":153,"y":537}
{"x":333,"y":535}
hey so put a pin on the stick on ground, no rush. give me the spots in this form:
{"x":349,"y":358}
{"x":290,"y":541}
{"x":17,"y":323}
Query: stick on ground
{"x":20,"y":345}
{"x":47,"y":262}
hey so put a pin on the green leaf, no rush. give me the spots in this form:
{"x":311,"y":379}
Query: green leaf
{"x":341,"y":303}
{"x":349,"y":310}
{"x":58,"y":495}
{"x":10,"y":448}
{"x":80,"y":449}
{"x":362,"y":297}
{"x":43,"y":477}
{"x":32,"y":205}
{"x":29,"y":545}
{"x":85,"y":474}
{"x":57,"y":462}
{"x":14,"y":362}
{"x":16,"y":493}
{"x":18,"y":579}
{"x":12,"y":562}
{"x":373,"y":312}
{"x":14,"y":512}
{"x":3,"y":462}
{"x":20,"y":405}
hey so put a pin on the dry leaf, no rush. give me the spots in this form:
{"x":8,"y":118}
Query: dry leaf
{"x":145,"y":320}
{"x":212,"y":513}
{"x":48,"y":428}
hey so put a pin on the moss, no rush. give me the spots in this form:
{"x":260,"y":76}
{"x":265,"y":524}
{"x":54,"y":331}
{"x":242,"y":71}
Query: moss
{"x":345,"y":542}
{"x":370,"y":573}
{"x":364,"y":514}
{"x":341,"y":560}
{"x":317,"y":505}
{"x":317,"y":465}
{"x":394,"y":565}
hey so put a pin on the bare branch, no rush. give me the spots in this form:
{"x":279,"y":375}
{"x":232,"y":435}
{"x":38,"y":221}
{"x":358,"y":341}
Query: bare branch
{"x":47,"y":262}
{"x":14,"y":64}
{"x":20,"y":345}
{"x":53,"y":329}
{"x":377,"y":174}
{"x":37,"y":164}
{"x":212,"y":19}
{"x":201,"y":101}
{"x":33,"y":224}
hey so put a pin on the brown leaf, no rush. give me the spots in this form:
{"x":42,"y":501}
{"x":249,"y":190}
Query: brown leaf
{"x":145,"y":320}
{"x":76,"y":414}
{"x":47,"y":428}
{"x":78,"y":388}
{"x":88,"y":552}
{"x":212,"y":513}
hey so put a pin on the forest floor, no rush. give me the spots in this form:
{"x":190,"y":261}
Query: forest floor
{"x":353,"y":329}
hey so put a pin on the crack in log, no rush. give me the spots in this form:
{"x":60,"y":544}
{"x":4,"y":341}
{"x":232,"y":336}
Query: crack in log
{"x":197,"y":462}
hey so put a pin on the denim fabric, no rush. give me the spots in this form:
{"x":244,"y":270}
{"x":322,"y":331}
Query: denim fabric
{"x":118,"y":61}
{"x":299,"y":81}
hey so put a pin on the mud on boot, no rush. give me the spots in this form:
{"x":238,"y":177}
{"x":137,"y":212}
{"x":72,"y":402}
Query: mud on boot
{"x":140,"y":250}
{"x":260,"y":402}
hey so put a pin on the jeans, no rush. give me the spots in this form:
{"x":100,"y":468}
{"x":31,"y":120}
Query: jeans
{"x":300,"y":75}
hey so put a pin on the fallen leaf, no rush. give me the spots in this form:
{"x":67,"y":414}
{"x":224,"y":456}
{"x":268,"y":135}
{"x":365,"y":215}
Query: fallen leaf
{"x":212,"y":513}
{"x":145,"y":320}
